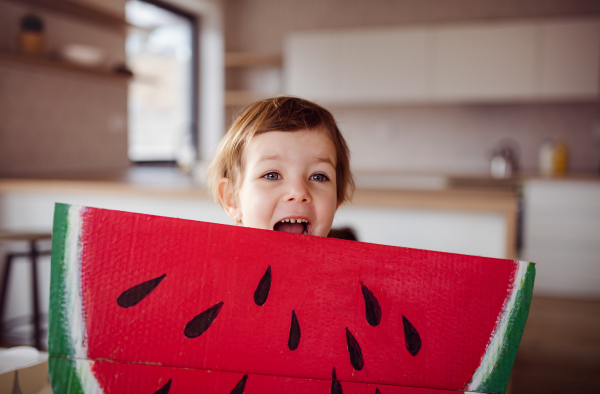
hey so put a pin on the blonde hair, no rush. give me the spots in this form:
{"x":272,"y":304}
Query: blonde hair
{"x":278,"y":114}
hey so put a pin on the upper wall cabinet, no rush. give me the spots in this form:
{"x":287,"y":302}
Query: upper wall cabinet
{"x":493,"y":62}
{"x":358,"y":66}
{"x":570,"y":64}
{"x":481,"y":62}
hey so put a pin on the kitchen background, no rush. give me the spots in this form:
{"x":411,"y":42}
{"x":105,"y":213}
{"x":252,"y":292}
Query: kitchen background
{"x":421,"y":155}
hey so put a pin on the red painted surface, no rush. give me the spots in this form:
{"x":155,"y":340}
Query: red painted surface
{"x":452,"y":300}
{"x":125,"y":379}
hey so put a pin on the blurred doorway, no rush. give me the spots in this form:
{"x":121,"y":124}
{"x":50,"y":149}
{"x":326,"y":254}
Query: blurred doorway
{"x":162,"y":53}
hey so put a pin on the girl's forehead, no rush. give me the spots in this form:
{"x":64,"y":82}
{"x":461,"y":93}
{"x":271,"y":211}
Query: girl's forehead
{"x":294,"y":143}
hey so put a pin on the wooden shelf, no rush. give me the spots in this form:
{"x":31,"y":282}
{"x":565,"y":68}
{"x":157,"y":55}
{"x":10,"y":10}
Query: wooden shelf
{"x":251,"y":59}
{"x":241,"y":98}
{"x":79,"y":10}
{"x":40,"y":61}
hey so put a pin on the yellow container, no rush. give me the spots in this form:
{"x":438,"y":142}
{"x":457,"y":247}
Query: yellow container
{"x":561,"y":158}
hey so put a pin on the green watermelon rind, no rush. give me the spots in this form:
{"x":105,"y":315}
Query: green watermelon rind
{"x":493,"y":374}
{"x":64,"y":371}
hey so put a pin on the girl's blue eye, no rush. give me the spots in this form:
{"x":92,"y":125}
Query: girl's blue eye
{"x":272,"y":176}
{"x":319,"y":178}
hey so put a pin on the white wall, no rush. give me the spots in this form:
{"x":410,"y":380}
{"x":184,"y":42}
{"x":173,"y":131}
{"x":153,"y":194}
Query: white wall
{"x":461,"y":138}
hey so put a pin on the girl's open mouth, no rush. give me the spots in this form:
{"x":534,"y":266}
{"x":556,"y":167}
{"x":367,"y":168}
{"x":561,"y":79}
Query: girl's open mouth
{"x":293,"y":225}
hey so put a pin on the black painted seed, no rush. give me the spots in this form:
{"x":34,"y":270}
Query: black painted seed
{"x":377,"y":391}
{"x":239,"y":388}
{"x":372,"y":307}
{"x":356,"y":357}
{"x":411,"y":337}
{"x":336,"y":386}
{"x":294,"y":339}
{"x":137,"y":293}
{"x":262,"y":290}
{"x":200,"y":323}
{"x":164,"y":389}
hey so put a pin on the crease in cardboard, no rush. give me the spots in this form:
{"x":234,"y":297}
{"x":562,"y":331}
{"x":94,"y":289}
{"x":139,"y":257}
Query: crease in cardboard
{"x":98,"y":390}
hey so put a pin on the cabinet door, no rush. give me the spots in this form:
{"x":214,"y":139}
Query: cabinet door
{"x":494,"y":62}
{"x":385,"y":66}
{"x":571,"y":59}
{"x":362,"y":66}
{"x":562,"y":236}
{"x":309,"y":65}
{"x":474,"y":233}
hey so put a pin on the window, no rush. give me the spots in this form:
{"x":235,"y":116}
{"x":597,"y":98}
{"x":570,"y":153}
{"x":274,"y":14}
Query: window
{"x":162,"y":53}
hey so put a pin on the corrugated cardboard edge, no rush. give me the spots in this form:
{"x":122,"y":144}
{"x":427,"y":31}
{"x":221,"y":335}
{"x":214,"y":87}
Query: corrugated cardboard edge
{"x":66,"y":320}
{"x":495,"y":368}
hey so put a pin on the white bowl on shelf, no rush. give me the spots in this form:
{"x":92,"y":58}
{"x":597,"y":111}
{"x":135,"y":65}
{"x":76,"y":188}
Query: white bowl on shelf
{"x":83,"y":55}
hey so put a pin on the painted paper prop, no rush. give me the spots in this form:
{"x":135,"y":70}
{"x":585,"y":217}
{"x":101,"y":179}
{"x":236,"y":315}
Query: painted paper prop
{"x":146,"y":304}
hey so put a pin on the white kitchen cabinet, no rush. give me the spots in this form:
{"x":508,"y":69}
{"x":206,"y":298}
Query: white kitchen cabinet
{"x":570,"y":67}
{"x":374,"y":66}
{"x":309,"y":63}
{"x":523,"y":61}
{"x":562,"y":236}
{"x":486,"y":62}
{"x":472,"y":233}
{"x":366,"y":75}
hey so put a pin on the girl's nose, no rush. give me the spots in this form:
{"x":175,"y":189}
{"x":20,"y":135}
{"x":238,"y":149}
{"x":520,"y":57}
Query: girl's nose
{"x":298,"y":192}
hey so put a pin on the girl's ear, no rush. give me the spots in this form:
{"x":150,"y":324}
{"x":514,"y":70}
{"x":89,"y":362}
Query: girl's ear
{"x":228,"y":199}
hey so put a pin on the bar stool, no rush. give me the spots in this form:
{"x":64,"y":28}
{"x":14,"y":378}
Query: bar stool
{"x":33,"y":253}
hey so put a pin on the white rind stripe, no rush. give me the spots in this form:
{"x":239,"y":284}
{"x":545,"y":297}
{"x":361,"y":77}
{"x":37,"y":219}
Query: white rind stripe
{"x":494,"y":348}
{"x":73,"y":307}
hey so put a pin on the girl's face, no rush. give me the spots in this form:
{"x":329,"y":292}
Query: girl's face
{"x":288,"y":184}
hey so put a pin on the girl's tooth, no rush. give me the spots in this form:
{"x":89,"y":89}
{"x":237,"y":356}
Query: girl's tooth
{"x":293,"y":220}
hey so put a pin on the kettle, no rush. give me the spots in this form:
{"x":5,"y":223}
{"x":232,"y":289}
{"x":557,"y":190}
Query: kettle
{"x":504,"y":162}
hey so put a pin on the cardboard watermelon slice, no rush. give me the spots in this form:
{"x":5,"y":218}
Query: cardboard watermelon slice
{"x":147,"y":304}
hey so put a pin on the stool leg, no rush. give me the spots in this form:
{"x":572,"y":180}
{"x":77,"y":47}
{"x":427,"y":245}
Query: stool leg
{"x":7,"y":266}
{"x":36,"y":307}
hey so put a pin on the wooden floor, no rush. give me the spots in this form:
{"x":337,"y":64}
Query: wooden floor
{"x":560,"y":349}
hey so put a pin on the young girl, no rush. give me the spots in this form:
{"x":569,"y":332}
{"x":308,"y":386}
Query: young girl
{"x":284,"y":166}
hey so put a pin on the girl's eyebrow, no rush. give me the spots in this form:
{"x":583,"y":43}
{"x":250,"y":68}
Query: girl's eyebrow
{"x":324,"y":160}
{"x":273,"y":157}
{"x":316,"y":160}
